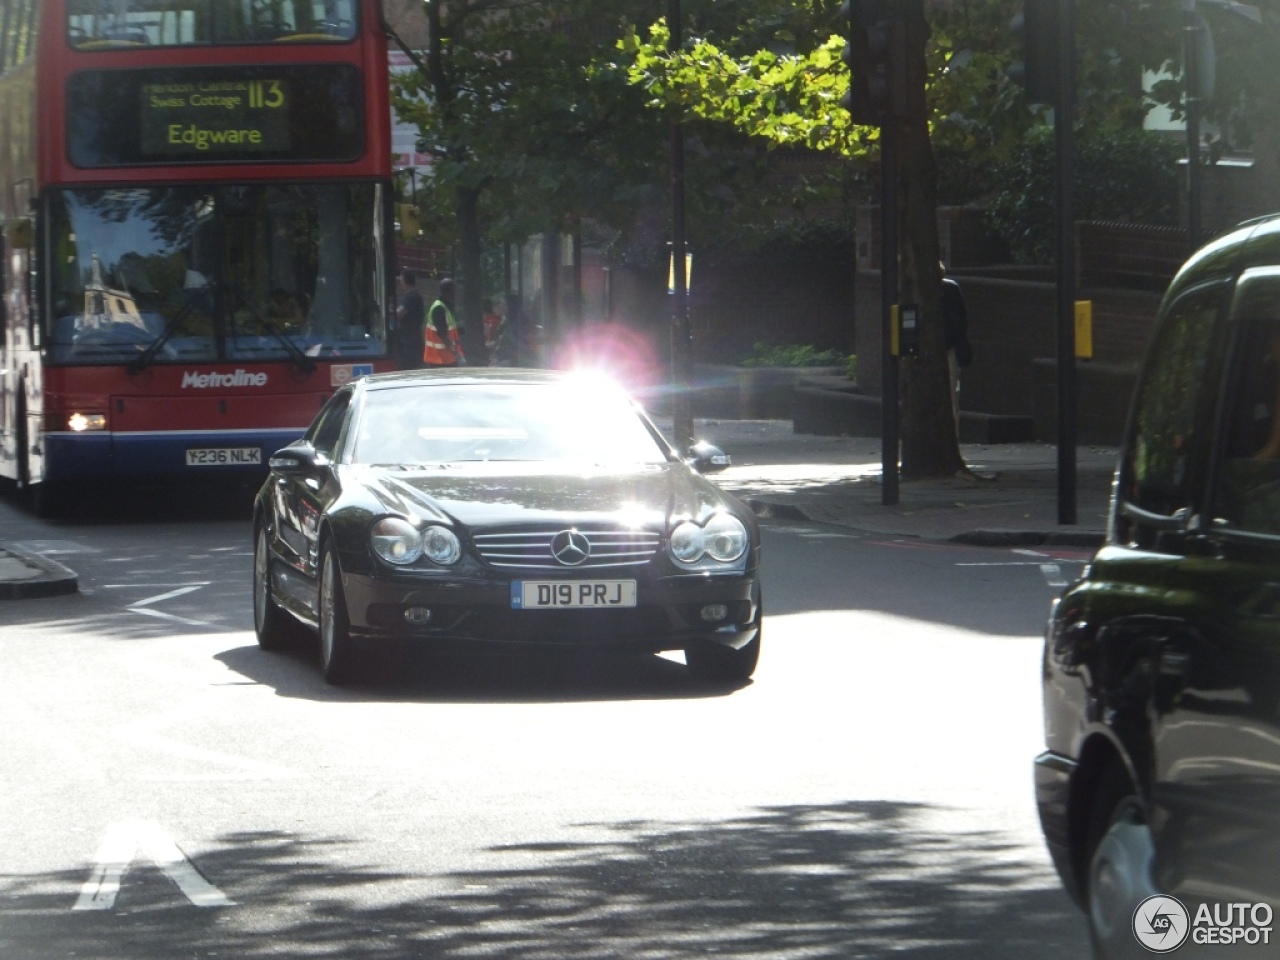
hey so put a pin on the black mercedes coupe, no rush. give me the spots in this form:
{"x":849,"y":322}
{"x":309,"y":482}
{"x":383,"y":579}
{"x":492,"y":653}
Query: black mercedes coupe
{"x":488,"y":506}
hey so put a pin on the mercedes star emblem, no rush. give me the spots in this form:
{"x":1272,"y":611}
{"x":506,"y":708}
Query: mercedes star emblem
{"x":570,"y":547}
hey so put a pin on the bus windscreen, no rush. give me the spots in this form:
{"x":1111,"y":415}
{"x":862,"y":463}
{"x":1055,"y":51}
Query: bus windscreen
{"x":191,"y":273}
{"x":294,"y":113}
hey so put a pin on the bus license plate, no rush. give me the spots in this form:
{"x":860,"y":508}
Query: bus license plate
{"x":561,"y":594}
{"x":224,"y":456}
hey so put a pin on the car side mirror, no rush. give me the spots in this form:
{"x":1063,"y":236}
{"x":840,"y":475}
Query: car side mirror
{"x":707,"y":458}
{"x":297,"y":460}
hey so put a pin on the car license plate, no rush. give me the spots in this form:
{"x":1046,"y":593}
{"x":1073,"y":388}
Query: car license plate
{"x":562,"y":594}
{"x":224,"y":456}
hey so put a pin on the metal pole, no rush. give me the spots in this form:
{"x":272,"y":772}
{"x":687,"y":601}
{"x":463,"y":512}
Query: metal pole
{"x":889,"y":423}
{"x":1064,"y":122}
{"x":681,"y":345}
{"x":1191,"y":104}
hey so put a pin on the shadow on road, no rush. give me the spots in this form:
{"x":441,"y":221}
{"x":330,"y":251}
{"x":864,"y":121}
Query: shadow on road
{"x":846,"y":881}
{"x":400,"y":674}
{"x":143,"y":503}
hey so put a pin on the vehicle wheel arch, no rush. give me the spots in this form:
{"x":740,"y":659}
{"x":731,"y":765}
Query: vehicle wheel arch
{"x":1101,"y":753}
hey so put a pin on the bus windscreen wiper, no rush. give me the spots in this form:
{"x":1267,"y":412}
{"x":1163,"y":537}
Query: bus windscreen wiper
{"x":305,"y":363}
{"x":147,"y":356}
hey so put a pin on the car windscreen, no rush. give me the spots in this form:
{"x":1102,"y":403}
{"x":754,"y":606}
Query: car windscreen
{"x":579,"y":423}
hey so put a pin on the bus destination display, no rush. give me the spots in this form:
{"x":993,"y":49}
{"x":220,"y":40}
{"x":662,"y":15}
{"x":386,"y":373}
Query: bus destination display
{"x":158,"y":116}
{"x":215,"y":116}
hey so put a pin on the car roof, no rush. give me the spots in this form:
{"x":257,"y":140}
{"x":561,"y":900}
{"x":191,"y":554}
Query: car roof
{"x":1253,"y":243}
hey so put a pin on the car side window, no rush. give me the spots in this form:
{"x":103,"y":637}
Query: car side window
{"x":1165,"y":449}
{"x":1248,"y":489}
{"x":326,"y":432}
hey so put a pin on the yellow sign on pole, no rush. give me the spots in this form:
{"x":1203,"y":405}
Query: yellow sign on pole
{"x":1084,"y":329}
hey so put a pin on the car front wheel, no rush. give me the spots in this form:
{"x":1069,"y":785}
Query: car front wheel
{"x":710,"y":662}
{"x":1121,"y":851}
{"x":336,"y":653}
{"x":269,"y":621}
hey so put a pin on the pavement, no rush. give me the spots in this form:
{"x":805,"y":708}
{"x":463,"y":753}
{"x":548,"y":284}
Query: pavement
{"x":25,"y":574}
{"x":1008,"y":497}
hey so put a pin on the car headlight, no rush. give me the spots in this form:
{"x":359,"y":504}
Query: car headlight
{"x":726,"y":537}
{"x":441,"y":546}
{"x":396,"y":541}
{"x":723,"y":538}
{"x":687,"y":542}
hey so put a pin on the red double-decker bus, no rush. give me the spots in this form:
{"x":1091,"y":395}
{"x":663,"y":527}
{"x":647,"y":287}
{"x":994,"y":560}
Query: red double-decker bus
{"x":197,"y":231}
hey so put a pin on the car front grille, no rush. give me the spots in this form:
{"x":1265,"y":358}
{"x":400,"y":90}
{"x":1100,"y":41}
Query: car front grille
{"x":531,"y":549}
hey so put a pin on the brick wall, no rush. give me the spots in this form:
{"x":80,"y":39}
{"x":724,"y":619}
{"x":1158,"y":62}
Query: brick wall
{"x":1012,"y":324}
{"x":1129,"y":255}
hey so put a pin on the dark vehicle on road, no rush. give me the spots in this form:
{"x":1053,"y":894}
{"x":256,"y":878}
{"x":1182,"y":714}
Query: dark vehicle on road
{"x":513,"y":507}
{"x":1161,"y":675}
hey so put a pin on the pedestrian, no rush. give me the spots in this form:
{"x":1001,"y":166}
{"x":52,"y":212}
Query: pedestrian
{"x":440,"y":344}
{"x":955,"y":324}
{"x":410,"y":317}
{"x":492,"y":321}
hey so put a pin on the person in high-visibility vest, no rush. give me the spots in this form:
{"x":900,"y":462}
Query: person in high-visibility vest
{"x":440,"y":345}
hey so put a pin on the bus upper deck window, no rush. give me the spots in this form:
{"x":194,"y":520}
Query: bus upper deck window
{"x":129,"y":24}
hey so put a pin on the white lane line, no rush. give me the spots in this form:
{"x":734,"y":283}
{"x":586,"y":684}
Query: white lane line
{"x":118,"y":852}
{"x":145,"y":733}
{"x":1053,"y":574}
{"x":1002,"y":563}
{"x":1029,"y":553}
{"x":249,"y":769}
{"x":168,"y":596}
{"x":168,"y":616}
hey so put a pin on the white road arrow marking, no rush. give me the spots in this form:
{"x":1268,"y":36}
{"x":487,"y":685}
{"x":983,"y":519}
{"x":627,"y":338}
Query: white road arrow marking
{"x":118,"y":852}
{"x":144,"y":606}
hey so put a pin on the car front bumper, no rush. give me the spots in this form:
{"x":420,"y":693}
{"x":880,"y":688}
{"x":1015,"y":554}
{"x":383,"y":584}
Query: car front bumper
{"x":669,"y":613}
{"x":1053,"y":773}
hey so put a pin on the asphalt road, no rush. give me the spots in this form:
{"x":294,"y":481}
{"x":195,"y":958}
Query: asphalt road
{"x":171,"y":791}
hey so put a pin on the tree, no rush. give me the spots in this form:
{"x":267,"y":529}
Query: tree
{"x":793,"y":98}
{"x":961,"y":103}
{"x":524,"y":136}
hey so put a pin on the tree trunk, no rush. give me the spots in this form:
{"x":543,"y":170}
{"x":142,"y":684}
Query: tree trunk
{"x":470,"y":276}
{"x":930,"y":447}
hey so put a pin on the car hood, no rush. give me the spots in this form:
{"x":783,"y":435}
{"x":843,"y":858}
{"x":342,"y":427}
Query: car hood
{"x":502,"y":493}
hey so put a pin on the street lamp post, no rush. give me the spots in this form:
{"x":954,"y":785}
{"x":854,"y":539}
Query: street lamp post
{"x":681,"y":333}
{"x":1191,"y":105}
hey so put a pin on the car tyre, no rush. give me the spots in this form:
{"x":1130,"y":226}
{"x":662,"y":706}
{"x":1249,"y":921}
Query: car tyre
{"x":710,"y":662}
{"x":336,"y":654}
{"x":270,"y":623}
{"x":1120,"y":853}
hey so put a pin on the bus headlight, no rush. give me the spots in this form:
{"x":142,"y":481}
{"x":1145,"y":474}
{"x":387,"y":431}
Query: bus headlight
{"x":80,"y":422}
